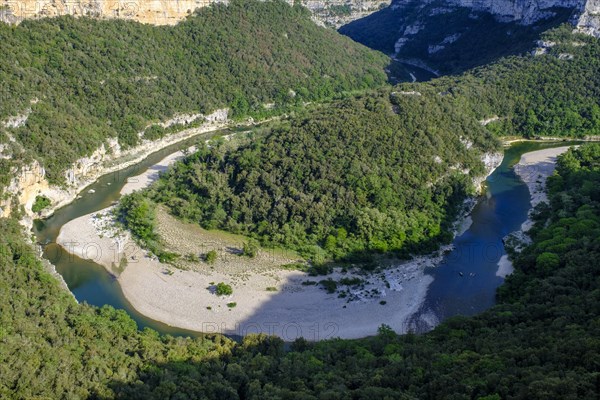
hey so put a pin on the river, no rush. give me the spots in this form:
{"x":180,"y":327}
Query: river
{"x":465,"y":283}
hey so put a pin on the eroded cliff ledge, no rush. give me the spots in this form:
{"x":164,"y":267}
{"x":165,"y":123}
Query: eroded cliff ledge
{"x":169,"y":12}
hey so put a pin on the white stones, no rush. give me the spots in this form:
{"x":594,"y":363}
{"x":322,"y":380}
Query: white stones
{"x":589,"y":20}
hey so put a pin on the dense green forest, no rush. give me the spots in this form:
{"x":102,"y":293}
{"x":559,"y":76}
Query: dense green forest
{"x":385,"y":171}
{"x":555,"y":94}
{"x":378,"y":172}
{"x":365,"y":174}
{"x":86,"y":80}
{"x":541,"y":341}
{"x":52,"y":347}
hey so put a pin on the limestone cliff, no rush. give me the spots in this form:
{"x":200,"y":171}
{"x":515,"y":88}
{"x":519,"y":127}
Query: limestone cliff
{"x":586,"y":13}
{"x":589,"y":20}
{"x":30,"y":180}
{"x":524,"y":11}
{"x":169,"y":12}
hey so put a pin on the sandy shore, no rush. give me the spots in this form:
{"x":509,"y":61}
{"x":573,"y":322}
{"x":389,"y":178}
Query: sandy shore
{"x":533,"y":168}
{"x":267,"y":298}
{"x":182,"y":298}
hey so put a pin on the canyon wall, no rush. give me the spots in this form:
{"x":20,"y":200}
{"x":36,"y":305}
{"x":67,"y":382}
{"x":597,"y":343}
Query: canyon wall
{"x":335,"y":13}
{"x":588,"y":21}
{"x":586,"y":13}
{"x":30,"y":180}
{"x":524,"y":11}
{"x":169,"y":12}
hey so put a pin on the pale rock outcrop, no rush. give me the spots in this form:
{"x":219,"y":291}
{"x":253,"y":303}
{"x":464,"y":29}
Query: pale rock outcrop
{"x":170,"y":12}
{"x":30,"y":180}
{"x":589,"y":20}
{"x":523,"y":11}
{"x":586,"y":13}
{"x":491,"y":161}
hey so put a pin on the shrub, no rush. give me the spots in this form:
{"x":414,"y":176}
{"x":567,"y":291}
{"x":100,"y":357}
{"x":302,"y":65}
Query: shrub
{"x":351,"y":281}
{"x":40,"y":203}
{"x":210,"y":257}
{"x":191,"y":257}
{"x":329,"y":284}
{"x":223,"y":289}
{"x":250,"y":248}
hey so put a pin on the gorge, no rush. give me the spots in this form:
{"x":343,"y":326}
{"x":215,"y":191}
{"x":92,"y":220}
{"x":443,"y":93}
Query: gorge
{"x":239,"y":202}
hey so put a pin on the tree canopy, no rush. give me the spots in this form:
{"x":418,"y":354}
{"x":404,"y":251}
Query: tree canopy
{"x":86,"y":80}
{"x":540,"y":341}
{"x":361,"y":175}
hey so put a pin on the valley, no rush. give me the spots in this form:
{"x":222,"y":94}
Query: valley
{"x":177,"y":300}
{"x":233,"y":200}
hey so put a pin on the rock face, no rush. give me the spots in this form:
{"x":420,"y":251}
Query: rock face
{"x":30,"y":181}
{"x":586,"y":12}
{"x":169,"y":12}
{"x":524,"y":11}
{"x":336,"y":13}
{"x":589,"y":20}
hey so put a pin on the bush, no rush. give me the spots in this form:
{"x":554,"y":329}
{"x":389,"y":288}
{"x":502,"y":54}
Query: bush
{"x":40,"y":203}
{"x":351,"y":281}
{"x":223,"y":289}
{"x":137,"y":213}
{"x":250,"y":248}
{"x":231,"y":305}
{"x":166,"y":257}
{"x":192,"y":257}
{"x":329,"y":284}
{"x":210,"y":257}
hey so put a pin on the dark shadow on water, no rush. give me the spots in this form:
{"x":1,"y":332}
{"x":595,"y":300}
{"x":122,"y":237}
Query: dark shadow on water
{"x":466,"y":281}
{"x":450,"y":42}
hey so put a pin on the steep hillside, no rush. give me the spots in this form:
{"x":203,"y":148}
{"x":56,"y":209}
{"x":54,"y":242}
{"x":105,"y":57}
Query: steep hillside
{"x":551,"y":92}
{"x":351,"y":195}
{"x":170,"y":12}
{"x":372,"y":174}
{"x":69,"y":85}
{"x":454,"y":36}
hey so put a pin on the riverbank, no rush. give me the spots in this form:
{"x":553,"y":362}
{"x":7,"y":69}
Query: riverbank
{"x":509,"y":141}
{"x":267,"y":297}
{"x":31,"y":181}
{"x":533,"y":169}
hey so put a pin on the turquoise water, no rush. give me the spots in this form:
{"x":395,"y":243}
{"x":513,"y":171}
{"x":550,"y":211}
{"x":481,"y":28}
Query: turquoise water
{"x":475,"y":256}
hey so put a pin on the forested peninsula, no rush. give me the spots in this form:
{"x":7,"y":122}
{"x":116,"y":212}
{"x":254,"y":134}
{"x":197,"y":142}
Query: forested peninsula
{"x":540,"y":341}
{"x":386,"y":172}
{"x":367,"y":169}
